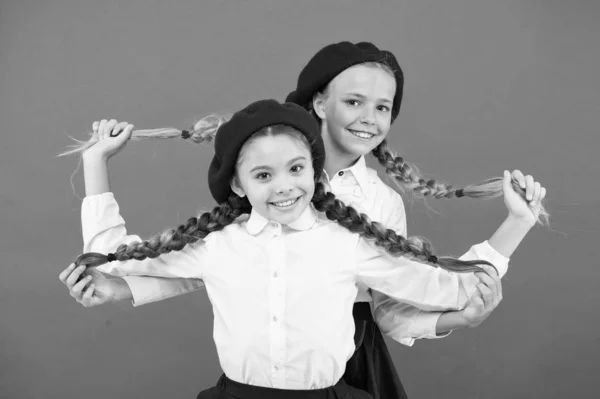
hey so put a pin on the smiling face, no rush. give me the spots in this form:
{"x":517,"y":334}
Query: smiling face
{"x":355,"y":110}
{"x":276,"y":173}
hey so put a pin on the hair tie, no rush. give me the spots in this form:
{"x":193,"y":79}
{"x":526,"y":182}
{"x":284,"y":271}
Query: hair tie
{"x":185,"y":134}
{"x":432,"y":259}
{"x":111,"y":257}
{"x":459,"y":193}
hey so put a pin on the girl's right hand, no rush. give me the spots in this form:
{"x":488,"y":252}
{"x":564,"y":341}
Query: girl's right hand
{"x":111,"y":136}
{"x":95,"y":288}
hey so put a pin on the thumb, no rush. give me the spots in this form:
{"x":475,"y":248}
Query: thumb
{"x":126,"y":134}
{"x":507,"y":182}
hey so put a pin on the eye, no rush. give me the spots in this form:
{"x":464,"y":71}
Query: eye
{"x":352,"y":103}
{"x":296,"y":168}
{"x":383,"y":108}
{"x":262,"y":176}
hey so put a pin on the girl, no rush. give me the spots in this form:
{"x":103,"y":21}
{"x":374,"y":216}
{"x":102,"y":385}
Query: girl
{"x":280,"y":276}
{"x":341,"y":85}
{"x":355,"y":92}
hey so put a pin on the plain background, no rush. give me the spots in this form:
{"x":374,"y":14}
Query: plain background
{"x":490,"y":85}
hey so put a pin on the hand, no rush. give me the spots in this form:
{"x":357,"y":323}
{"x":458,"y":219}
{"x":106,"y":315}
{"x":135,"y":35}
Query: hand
{"x":94,"y":288}
{"x":485,"y":299}
{"x":111,"y":136}
{"x":528,"y":210}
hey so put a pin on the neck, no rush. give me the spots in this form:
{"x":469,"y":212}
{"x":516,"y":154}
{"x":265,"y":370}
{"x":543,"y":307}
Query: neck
{"x":336,"y":159}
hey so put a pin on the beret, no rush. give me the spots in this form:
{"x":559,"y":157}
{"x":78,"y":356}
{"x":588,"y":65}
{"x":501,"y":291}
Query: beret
{"x":232,"y":135}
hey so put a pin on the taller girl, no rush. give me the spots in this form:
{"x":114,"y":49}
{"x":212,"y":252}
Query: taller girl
{"x":355,"y":92}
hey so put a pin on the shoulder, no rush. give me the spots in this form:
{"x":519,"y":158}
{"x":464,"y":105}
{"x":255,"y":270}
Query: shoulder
{"x":238,"y":227}
{"x":384,"y":191}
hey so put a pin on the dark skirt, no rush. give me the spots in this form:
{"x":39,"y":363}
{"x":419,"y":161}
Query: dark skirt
{"x":371,"y":368}
{"x":229,"y":389}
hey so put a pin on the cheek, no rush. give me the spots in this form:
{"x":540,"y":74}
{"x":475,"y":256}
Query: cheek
{"x":384,"y":127}
{"x":255,"y":190}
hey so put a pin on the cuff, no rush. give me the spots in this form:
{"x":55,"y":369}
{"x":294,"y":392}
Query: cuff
{"x":99,"y":213}
{"x":145,"y":289}
{"x":487,"y":252}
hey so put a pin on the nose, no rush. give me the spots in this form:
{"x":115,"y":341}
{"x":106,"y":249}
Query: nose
{"x":284,"y":186}
{"x":284,"y":190}
{"x":368,"y":116}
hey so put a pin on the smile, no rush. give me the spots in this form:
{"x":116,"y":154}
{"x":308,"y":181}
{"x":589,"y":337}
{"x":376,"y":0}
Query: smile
{"x":286,"y":203}
{"x":362,"y":135}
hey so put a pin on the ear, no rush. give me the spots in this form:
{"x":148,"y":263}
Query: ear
{"x":236,"y":187}
{"x":318,"y":103}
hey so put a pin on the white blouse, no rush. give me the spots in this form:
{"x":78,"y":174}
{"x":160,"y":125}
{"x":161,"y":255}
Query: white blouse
{"x":282,"y":296}
{"x":360,"y":187}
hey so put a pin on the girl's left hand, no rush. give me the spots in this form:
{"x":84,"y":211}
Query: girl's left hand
{"x":521,"y":210}
{"x":485,"y":300}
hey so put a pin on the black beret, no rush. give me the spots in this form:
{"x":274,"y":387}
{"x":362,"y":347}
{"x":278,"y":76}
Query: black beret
{"x":232,"y":135}
{"x":332,"y":60}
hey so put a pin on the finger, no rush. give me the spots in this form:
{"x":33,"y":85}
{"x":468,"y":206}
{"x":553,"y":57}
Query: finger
{"x":65,"y":273}
{"x":477,"y":301}
{"x":127,"y":132}
{"x":537,"y":190}
{"x":487,"y":295}
{"x":118,"y":129}
{"x":491,"y":280}
{"x":95,"y":130}
{"x":78,"y":288}
{"x":101,"y":129}
{"x":507,"y":181}
{"x":86,"y":299}
{"x":73,"y":277}
{"x":108,"y":128}
{"x":530,"y":186}
{"x":518,"y":176}
{"x":542,"y":193}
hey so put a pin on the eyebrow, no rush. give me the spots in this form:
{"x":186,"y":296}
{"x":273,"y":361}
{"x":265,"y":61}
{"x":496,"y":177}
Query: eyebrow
{"x":265,"y":167}
{"x":384,"y":100}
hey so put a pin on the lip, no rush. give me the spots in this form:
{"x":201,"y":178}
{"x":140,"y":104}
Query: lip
{"x":295,"y":201}
{"x":353,"y":132}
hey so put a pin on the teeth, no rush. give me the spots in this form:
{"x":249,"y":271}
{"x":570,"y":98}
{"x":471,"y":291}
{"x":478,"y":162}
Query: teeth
{"x":362,"y":135}
{"x":285,"y":203}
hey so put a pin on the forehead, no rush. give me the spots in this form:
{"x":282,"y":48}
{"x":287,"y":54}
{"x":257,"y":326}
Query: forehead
{"x":272,"y":151}
{"x":366,"y":80}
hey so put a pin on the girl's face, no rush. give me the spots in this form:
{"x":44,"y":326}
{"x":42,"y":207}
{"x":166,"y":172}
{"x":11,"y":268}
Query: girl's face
{"x":356,"y":111}
{"x":277,"y":176}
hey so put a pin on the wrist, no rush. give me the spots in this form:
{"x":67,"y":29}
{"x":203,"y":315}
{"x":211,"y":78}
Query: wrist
{"x":121,"y":291}
{"x":91,"y":158}
{"x":451,"y":320}
{"x":517,"y":222}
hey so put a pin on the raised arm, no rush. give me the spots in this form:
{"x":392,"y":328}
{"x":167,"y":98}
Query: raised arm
{"x":104,"y":229}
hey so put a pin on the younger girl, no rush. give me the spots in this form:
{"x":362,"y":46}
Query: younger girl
{"x":280,"y":276}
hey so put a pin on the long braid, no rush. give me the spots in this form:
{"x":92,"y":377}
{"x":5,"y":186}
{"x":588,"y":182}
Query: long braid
{"x":203,"y":130}
{"x":406,"y":175}
{"x":417,"y":248}
{"x":195,"y":229}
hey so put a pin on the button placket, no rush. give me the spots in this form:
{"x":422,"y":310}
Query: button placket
{"x":276,"y":288}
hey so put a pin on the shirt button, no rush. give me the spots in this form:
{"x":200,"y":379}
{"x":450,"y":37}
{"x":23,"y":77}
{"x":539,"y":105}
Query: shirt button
{"x":276,"y":367}
{"x":273,"y":224}
{"x":275,"y":318}
{"x":275,"y":274}
{"x":341,"y":173}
